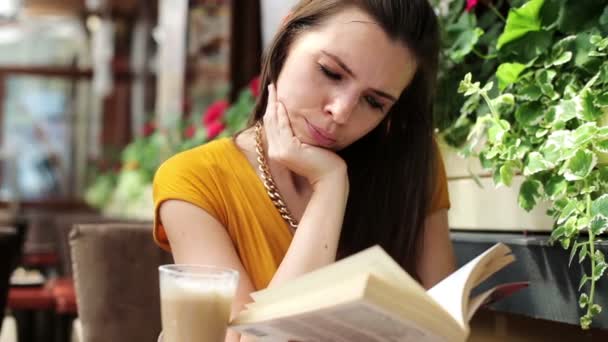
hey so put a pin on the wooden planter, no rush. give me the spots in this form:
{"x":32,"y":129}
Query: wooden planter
{"x":487,"y":208}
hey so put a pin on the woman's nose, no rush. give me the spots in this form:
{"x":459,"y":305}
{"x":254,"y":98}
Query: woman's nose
{"x":341,"y":108}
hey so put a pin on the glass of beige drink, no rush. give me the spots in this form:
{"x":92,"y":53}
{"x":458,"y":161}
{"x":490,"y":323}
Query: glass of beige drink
{"x":195,"y":302}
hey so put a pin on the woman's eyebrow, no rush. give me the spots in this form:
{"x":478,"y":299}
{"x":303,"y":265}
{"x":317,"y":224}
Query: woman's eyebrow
{"x":352,"y":74}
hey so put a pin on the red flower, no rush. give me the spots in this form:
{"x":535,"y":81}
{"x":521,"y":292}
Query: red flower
{"x":254,"y":86}
{"x":149,"y":129}
{"x":471,"y":5}
{"x":215,"y":112}
{"x":214,"y":129}
{"x":189,"y":131}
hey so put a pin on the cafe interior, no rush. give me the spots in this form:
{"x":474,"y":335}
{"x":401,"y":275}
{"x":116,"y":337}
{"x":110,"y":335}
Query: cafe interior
{"x":96,"y":94}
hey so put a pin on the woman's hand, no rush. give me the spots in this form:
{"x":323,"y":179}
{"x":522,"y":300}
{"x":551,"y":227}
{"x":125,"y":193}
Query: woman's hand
{"x":314,"y":163}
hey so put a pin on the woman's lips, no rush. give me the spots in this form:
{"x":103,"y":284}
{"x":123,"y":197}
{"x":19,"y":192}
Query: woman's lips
{"x":319,"y":136}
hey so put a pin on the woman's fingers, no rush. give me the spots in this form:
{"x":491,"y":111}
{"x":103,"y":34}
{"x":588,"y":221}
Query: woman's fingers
{"x":271,"y":106}
{"x":283,"y":123}
{"x":270,"y":118}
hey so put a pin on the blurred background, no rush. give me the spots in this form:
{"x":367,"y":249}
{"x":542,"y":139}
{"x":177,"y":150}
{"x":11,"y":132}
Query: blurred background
{"x":96,"y":94}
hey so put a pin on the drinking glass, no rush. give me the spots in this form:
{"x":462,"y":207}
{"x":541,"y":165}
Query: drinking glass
{"x":196,"y":302}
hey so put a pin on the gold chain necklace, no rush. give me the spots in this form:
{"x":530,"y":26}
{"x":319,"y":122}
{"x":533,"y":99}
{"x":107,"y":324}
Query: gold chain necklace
{"x":269,"y":184}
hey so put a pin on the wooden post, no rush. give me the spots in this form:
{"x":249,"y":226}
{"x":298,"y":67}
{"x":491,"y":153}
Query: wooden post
{"x":173,"y":16}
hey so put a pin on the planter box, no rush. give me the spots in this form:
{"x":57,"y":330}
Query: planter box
{"x":487,"y":207}
{"x":457,"y":167}
{"x":491,"y":208}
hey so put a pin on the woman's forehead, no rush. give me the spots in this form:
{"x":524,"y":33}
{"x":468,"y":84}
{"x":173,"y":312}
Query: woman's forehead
{"x":361,"y":43}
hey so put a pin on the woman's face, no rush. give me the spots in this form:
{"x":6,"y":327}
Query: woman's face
{"x":340,"y":79}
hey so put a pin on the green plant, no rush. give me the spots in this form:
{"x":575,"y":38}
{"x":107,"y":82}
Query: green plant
{"x":546,"y":118}
{"x":468,"y":35}
{"x":121,"y":190}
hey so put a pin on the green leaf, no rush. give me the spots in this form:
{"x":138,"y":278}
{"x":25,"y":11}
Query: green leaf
{"x":504,"y":104}
{"x":582,"y":223}
{"x":602,"y":133}
{"x":600,"y":206}
{"x":463,"y":36}
{"x":602,"y":146}
{"x":565,"y":242}
{"x":584,"y":134}
{"x":583,"y":253}
{"x":556,"y":187}
{"x":573,"y":253}
{"x":486,"y":88}
{"x":497,"y":130}
{"x":567,"y":211}
{"x":527,"y":48}
{"x":506,"y":173}
{"x":600,"y":268}
{"x":529,"y":113}
{"x":597,"y":54}
{"x":550,"y":12}
{"x":557,"y":233}
{"x":529,"y":193}
{"x":559,"y":146}
{"x":564,"y":58}
{"x":601,"y":100}
{"x":583,"y":301}
{"x":571,"y":227}
{"x":579,"y":166}
{"x":544,"y":79}
{"x":567,"y":110}
{"x":585,"y":322}
{"x":582,"y":49}
{"x":521,"y":21}
{"x":465,"y":86}
{"x":599,"y":43}
{"x":508,"y":73}
{"x":584,"y":280}
{"x":595,"y":309}
{"x":566,"y":43}
{"x":536,"y":163}
{"x":599,"y":256}
{"x":541,"y":133}
{"x":598,"y":224}
{"x":530,"y":92}
{"x":591,"y":111}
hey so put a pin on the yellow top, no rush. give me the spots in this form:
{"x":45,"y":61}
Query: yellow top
{"x":218,"y":178}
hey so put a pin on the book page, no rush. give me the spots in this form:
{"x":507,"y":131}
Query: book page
{"x":372,"y":260}
{"x":357,"y":321}
{"x":453,"y":292}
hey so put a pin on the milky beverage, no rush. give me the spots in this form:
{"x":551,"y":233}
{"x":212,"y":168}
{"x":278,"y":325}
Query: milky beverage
{"x":194,"y":312}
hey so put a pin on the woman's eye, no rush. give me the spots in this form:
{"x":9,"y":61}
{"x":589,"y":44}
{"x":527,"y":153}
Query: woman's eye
{"x":330,"y":74}
{"x":373,"y":103}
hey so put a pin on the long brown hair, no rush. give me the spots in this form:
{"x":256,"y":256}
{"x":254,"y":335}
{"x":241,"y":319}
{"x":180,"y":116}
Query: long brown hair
{"x":391,"y":169}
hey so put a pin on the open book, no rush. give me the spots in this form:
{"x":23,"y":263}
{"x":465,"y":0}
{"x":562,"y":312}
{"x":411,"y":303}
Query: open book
{"x":369,"y":297}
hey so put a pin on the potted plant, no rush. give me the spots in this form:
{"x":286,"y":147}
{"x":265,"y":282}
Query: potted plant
{"x":544,"y":116}
{"x":469,"y":32}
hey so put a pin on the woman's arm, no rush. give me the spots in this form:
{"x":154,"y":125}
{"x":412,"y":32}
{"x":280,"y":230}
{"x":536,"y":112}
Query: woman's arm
{"x":436,"y":260}
{"x":197,"y":237}
{"x":315,"y":242}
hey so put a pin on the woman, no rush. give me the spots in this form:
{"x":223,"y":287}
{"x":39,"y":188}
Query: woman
{"x":342,"y":135}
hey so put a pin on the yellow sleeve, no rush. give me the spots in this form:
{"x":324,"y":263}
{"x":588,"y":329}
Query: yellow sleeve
{"x":440,"y":198}
{"x":191,"y":177}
